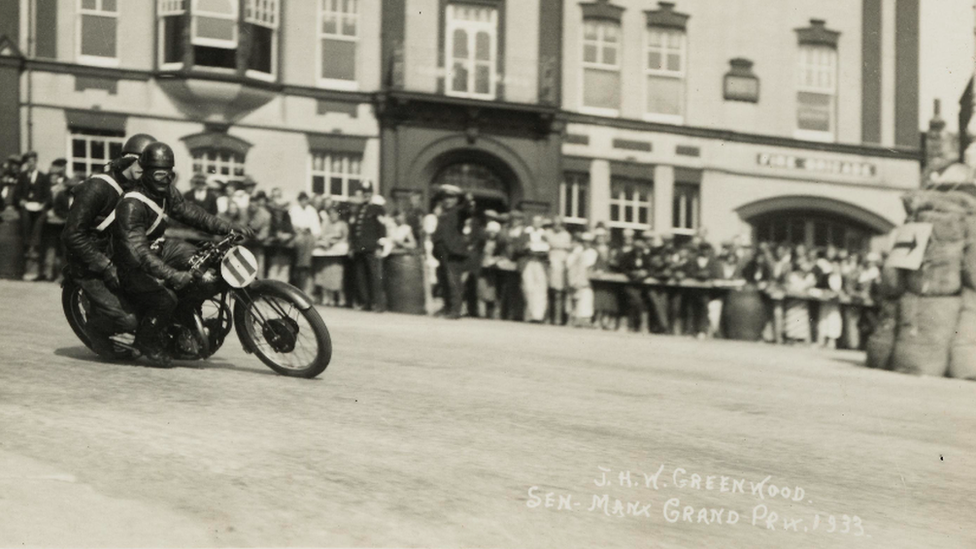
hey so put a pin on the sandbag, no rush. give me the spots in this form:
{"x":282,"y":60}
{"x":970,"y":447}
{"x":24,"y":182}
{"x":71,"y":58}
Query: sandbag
{"x":962,"y":354}
{"x":941,"y":270}
{"x":881,"y":343}
{"x":946,"y":226}
{"x":926,"y":326}
{"x":892,"y":282}
{"x":952,"y":202}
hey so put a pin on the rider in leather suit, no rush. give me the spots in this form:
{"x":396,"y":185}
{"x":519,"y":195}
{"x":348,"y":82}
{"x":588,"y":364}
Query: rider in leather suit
{"x":87,"y":240}
{"x":150,"y":271}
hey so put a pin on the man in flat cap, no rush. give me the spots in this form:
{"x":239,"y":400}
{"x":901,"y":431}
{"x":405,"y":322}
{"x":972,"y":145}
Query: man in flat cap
{"x":451,"y":246}
{"x":32,"y":196}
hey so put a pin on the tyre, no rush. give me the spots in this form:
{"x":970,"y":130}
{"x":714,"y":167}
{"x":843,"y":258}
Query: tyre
{"x":291,"y":341}
{"x":72,"y":302}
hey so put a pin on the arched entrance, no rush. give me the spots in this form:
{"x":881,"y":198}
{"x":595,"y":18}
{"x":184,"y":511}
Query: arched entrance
{"x":489,"y":190}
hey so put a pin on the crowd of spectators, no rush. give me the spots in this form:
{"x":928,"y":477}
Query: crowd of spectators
{"x":519,"y":267}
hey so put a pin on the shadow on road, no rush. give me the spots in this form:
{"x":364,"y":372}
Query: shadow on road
{"x":82,"y":353}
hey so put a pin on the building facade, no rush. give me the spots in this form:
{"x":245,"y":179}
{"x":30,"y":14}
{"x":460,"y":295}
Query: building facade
{"x":787,"y":121}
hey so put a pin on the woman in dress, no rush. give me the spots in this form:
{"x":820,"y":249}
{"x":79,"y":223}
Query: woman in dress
{"x":330,"y":256}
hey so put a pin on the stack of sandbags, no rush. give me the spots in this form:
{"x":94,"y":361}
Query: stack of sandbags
{"x":929,"y":309}
{"x":962,"y":354}
{"x":881,"y":343}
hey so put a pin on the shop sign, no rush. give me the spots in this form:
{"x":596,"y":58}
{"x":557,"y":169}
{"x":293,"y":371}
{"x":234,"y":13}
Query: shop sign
{"x":816,"y":165}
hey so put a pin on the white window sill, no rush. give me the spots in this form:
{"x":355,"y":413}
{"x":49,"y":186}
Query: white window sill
{"x":684,"y":232}
{"x":597,"y":111}
{"x":258,"y":75}
{"x":481,"y":97}
{"x":336,"y":84}
{"x":98,"y":61}
{"x":625,"y":225}
{"x":170,"y":66}
{"x":810,"y":135}
{"x":675,"y":119}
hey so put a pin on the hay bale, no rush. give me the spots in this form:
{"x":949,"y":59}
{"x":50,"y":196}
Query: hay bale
{"x":946,"y":226}
{"x":962,"y":353}
{"x":941,"y":270}
{"x":926,"y":326}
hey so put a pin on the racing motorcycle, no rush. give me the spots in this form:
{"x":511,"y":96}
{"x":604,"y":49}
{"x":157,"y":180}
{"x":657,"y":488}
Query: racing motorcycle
{"x":274,"y":320}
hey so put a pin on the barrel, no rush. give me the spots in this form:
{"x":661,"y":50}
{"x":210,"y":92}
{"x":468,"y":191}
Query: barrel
{"x":403,"y":279}
{"x":744,"y":314}
{"x":11,"y":246}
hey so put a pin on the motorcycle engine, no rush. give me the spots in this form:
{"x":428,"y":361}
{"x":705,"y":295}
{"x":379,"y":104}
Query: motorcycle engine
{"x":186,"y":344}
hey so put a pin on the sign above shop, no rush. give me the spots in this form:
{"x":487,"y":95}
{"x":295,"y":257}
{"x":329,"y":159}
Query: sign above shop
{"x":817,"y":165}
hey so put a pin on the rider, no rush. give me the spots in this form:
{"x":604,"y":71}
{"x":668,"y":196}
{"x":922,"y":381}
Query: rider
{"x":146,"y":264}
{"x":87,"y":241}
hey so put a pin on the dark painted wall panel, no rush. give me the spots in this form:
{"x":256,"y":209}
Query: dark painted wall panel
{"x":906,"y":74}
{"x":10,"y":20}
{"x":871,"y":71}
{"x":393,"y":32}
{"x":46,"y":41}
{"x":550,"y":51}
{"x":9,"y":111}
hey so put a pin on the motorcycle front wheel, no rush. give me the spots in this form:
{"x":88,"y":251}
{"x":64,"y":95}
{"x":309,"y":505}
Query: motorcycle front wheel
{"x":291,"y":341}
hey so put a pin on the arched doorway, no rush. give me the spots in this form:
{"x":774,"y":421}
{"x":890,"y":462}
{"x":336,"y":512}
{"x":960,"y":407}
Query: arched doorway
{"x":489,"y":189}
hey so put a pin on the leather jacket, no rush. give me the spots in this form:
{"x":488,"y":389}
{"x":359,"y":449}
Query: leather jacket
{"x":134,"y":218}
{"x":94,"y":200}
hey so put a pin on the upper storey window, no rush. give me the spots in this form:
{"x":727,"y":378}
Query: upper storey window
{"x":338,"y":43}
{"x":816,"y":87}
{"x":602,"y":47}
{"x":214,"y":33}
{"x":471,"y":48}
{"x":665,"y":64}
{"x":98,"y":22}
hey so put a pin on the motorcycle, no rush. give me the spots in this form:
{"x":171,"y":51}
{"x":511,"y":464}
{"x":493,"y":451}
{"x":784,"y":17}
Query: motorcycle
{"x":274,"y":320}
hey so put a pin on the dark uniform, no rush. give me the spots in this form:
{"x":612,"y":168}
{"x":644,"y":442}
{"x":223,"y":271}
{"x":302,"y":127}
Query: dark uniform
{"x":365,"y":231}
{"x":87,"y":240}
{"x":451,"y":251}
{"x":147,"y":267}
{"x":636,"y":264}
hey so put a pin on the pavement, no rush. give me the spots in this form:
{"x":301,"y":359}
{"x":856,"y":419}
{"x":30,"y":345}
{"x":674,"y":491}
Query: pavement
{"x":427,"y":432}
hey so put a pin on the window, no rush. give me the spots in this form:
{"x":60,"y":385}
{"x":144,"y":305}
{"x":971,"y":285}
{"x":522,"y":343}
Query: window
{"x":222,"y":162}
{"x":261,"y":22}
{"x":171,"y":13}
{"x":97,"y":31}
{"x":90,"y":150}
{"x":601,"y":65}
{"x":336,"y":174}
{"x":630,"y":203}
{"x":686,"y":209}
{"x":338,"y":42}
{"x":665,"y":73}
{"x":572,"y":197}
{"x":812,"y":229}
{"x":816,"y":92}
{"x":214,"y":33}
{"x":471,"y":50}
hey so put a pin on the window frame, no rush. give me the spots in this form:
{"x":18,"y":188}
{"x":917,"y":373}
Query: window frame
{"x":89,"y":136}
{"x":570,"y":187}
{"x":79,"y":32}
{"x":831,"y":91}
{"x":218,"y":162}
{"x":676,"y":226}
{"x":347,"y":176}
{"x":337,"y":83}
{"x":275,"y":6}
{"x":631,"y":202}
{"x":585,"y":65}
{"x":234,"y":44}
{"x":161,"y":14}
{"x":472,"y":28}
{"x":681,"y":74}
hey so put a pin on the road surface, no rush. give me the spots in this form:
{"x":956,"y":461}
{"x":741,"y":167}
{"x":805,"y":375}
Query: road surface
{"x":433,"y":433}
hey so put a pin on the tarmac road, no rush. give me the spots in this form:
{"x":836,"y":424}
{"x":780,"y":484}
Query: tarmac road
{"x":432,"y":433}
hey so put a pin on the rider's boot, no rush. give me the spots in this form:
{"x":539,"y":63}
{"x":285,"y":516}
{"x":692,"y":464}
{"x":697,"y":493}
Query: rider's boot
{"x":149,"y":341}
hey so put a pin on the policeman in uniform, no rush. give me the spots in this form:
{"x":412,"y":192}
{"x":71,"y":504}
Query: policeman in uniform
{"x":87,"y":244}
{"x":150,"y":270}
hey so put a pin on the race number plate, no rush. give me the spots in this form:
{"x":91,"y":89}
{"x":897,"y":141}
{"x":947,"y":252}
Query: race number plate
{"x":239,"y":267}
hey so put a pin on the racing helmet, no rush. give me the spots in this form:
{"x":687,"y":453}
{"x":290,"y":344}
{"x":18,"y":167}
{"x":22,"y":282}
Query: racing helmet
{"x":155,"y":157}
{"x":136,"y":144}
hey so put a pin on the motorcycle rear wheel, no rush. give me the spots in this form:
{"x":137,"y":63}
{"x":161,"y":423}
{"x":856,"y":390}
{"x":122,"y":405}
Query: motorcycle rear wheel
{"x":73,"y":303}
{"x":281,"y":340}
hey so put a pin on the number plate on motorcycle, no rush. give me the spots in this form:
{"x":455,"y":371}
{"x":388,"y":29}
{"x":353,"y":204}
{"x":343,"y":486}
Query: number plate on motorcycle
{"x":239,"y":267}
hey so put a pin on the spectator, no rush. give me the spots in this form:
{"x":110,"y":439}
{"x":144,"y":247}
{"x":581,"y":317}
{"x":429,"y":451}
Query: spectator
{"x":243,"y":194}
{"x":560,"y":242}
{"x":33,"y":198}
{"x":201,"y":195}
{"x":259,"y":220}
{"x":8,"y":181}
{"x":579,"y":269}
{"x":415,"y":216}
{"x":366,"y":229}
{"x":474,"y":234}
{"x":403,"y":237}
{"x":635,"y":263}
{"x":830,"y":323}
{"x":227,"y":194}
{"x":451,"y":246}
{"x":307,"y":226}
{"x":512,"y":300}
{"x":280,"y":250}
{"x":331,"y":251}
{"x":233,"y":214}
{"x":487,"y":281}
{"x":798,"y":283}
{"x":606,"y":306}
{"x":53,"y":255}
{"x":533,"y":254}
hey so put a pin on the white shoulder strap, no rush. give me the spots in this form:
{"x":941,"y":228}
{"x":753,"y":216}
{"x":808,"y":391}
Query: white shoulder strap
{"x":160,"y":213}
{"x":108,"y":179}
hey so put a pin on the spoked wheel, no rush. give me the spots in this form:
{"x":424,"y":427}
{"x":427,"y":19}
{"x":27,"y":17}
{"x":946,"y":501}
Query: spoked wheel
{"x":291,"y":341}
{"x":75,"y":306}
